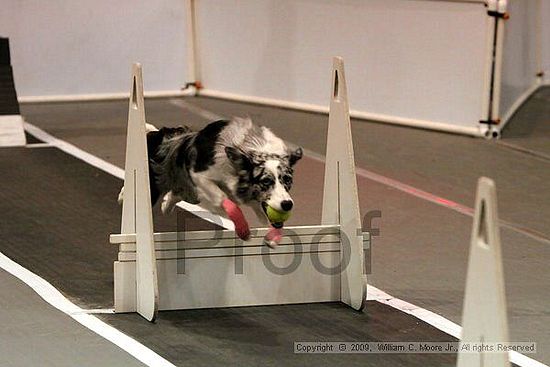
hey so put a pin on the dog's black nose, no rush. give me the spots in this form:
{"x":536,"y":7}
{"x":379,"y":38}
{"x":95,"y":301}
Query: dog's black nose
{"x":286,"y":205}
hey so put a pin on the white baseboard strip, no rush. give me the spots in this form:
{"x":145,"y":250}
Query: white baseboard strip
{"x":101,"y":96}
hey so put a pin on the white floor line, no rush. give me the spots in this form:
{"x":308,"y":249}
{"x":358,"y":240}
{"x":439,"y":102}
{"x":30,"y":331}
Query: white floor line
{"x":439,"y":322}
{"x":374,"y":293}
{"x":199,"y":111}
{"x":74,"y":151}
{"x":403,"y":187}
{"x":51,"y":295}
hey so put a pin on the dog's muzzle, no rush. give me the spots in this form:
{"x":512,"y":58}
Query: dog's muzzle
{"x":273,"y":224}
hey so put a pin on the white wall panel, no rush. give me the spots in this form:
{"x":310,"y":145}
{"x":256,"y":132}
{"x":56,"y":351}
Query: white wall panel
{"x":519,"y":64}
{"x":80,"y":47}
{"x":405,"y":58}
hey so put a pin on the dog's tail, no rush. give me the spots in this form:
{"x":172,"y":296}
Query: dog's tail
{"x":150,"y":127}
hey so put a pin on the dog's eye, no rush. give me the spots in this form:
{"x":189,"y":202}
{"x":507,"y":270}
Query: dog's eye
{"x":287,"y":179}
{"x":266,"y":181}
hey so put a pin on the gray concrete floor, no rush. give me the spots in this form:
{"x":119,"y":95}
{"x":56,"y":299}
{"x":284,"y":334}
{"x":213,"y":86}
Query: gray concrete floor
{"x":421,"y":253}
{"x":66,"y":244}
{"x":35,"y":334}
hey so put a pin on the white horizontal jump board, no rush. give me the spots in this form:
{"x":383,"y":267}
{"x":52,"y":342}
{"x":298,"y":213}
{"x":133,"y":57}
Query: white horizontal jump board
{"x":290,"y":248}
{"x":227,"y":234}
{"x":219,"y":243}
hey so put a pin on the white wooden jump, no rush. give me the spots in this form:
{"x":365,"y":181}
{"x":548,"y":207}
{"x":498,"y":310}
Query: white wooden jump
{"x":484,"y":317}
{"x":205,"y":269}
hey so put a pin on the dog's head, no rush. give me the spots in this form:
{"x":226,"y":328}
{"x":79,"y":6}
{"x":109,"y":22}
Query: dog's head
{"x":264,"y":177}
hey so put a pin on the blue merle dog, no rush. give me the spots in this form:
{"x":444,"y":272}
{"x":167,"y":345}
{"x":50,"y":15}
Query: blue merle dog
{"x":222,"y":166}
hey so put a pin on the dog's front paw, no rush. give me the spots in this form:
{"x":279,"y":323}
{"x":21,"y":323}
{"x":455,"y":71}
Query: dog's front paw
{"x":121,"y":196}
{"x":273,"y":237}
{"x":237,"y":217}
{"x":165,"y":207}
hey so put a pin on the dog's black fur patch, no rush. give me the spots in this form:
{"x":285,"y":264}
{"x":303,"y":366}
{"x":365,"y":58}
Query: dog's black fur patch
{"x":154,"y":141}
{"x":204,"y":143}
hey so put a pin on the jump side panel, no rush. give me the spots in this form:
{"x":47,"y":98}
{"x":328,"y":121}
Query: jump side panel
{"x":236,"y":281}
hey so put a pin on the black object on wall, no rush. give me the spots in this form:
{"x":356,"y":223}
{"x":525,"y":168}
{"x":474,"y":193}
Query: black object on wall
{"x":8,"y":96}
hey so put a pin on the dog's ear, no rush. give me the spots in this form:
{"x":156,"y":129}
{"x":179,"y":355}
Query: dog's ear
{"x":295,"y":156}
{"x":236,"y":156}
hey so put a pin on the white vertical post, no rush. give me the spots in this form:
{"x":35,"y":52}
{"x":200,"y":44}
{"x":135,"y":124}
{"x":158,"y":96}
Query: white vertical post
{"x":193,"y":61}
{"x":539,"y":45}
{"x":488,"y":74}
{"x":137,"y":214}
{"x":340,"y":197}
{"x":484,"y":314}
{"x":499,"y":50}
{"x":494,"y":49}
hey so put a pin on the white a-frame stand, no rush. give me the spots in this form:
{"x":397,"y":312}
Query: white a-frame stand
{"x":340,"y":197}
{"x":205,"y":269}
{"x":137,"y":213}
{"x":484,"y":315}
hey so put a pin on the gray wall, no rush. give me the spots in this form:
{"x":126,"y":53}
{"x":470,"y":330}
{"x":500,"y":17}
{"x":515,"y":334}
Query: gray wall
{"x":80,"y":47}
{"x":407,"y":58}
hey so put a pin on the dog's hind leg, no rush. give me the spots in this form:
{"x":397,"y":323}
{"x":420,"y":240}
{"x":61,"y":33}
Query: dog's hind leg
{"x":121,"y":195}
{"x":169,"y":202}
{"x":150,"y":127}
{"x":154,"y":193}
{"x":152,"y":145}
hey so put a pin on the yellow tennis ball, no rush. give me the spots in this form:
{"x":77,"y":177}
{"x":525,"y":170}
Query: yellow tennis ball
{"x":276,"y":216}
